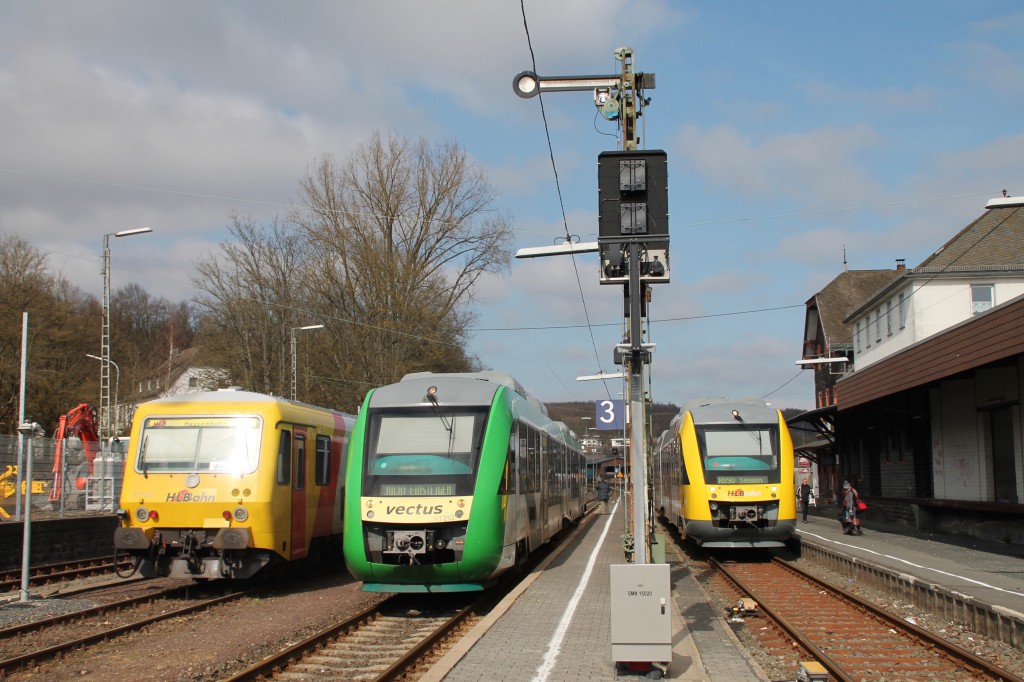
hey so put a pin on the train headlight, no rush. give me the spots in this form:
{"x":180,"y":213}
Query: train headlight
{"x":458,"y":513}
{"x":369,"y":514}
{"x":241,"y":514}
{"x":142,"y":514}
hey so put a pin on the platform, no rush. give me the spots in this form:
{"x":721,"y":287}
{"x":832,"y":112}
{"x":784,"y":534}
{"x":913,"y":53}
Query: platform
{"x":988,"y":572}
{"x":556,"y":627}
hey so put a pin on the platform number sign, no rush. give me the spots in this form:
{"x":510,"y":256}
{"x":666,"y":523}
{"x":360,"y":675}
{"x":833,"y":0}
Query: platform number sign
{"x":609,"y":414}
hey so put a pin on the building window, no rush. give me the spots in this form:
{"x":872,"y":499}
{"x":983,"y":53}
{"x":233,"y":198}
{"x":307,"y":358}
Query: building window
{"x":856,"y":337}
{"x":888,"y":318}
{"x":867,"y":331}
{"x":193,"y":382}
{"x":903,"y":312}
{"x":982,"y":298}
{"x":878,"y":325}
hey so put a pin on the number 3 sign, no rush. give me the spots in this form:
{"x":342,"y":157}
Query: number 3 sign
{"x":609,"y":414}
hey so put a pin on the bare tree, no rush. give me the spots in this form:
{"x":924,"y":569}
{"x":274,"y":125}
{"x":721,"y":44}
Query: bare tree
{"x":254,"y":294}
{"x":63,"y":324}
{"x":402,"y":231}
{"x":145,"y":332}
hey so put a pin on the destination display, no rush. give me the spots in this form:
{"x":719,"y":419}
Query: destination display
{"x":741,"y":480}
{"x":416,"y":489}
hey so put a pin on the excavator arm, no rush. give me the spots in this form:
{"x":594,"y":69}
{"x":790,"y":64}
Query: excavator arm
{"x":80,"y":422}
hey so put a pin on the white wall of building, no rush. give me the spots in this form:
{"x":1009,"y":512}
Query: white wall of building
{"x":932,"y":306}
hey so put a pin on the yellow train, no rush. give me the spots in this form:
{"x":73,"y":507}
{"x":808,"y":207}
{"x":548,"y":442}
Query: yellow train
{"x":224,"y":483}
{"x":723,"y":473}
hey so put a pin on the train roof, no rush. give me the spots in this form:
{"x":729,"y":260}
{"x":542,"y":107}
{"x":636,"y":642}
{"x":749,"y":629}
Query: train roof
{"x":233,"y":394}
{"x":720,"y":411}
{"x":503,"y":378}
{"x":453,"y":388}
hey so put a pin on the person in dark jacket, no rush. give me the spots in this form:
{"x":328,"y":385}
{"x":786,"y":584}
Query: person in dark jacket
{"x":804,"y":492}
{"x":604,"y":491}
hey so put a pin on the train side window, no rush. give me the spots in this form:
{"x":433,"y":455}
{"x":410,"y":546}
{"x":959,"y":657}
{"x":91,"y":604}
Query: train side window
{"x":508,"y":476}
{"x":323,"y":460}
{"x":284,"y":458}
{"x":300,"y":461}
{"x":520,"y":429}
{"x":677,"y":453}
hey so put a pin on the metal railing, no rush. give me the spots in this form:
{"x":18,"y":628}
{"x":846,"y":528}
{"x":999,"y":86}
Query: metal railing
{"x":83,"y":492}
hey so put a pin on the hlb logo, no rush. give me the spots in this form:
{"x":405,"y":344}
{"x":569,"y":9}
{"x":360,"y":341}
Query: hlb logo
{"x":187,"y":496}
{"x":736,"y":493}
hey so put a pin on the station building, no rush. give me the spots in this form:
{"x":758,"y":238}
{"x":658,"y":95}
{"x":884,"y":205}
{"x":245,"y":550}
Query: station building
{"x":918,"y":378}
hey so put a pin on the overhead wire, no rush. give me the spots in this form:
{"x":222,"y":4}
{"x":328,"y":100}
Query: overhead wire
{"x":561,"y":202}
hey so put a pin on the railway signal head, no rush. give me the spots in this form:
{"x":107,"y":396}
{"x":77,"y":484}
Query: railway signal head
{"x":633,"y":208}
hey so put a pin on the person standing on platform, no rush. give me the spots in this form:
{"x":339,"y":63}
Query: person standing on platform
{"x":604,"y":491}
{"x":851,"y":520}
{"x":804,"y":492}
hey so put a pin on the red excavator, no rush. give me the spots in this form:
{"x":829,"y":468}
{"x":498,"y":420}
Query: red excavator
{"x":80,"y":422}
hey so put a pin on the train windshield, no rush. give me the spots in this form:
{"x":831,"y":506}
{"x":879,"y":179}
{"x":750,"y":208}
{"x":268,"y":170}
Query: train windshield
{"x":215,"y":444}
{"x":740,"y":455}
{"x":423,"y":453}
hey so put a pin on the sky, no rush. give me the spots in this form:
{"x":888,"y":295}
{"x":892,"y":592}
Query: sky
{"x":798,"y":134}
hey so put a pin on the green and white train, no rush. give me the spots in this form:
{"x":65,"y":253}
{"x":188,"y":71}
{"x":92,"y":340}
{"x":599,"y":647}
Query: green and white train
{"x":453,"y":479}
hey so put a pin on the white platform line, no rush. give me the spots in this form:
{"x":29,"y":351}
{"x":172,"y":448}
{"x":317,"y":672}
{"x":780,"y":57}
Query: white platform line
{"x":911,"y":563}
{"x":555,"y":643}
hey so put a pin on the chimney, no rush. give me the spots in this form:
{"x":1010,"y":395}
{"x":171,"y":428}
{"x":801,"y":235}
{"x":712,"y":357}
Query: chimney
{"x":901,"y":263}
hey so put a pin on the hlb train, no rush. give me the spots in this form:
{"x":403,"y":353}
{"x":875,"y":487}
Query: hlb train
{"x":226,"y":483}
{"x":452,"y":480}
{"x":724,"y":474}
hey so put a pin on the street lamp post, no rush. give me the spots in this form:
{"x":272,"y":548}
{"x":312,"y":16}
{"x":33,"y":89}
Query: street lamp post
{"x":105,"y":333}
{"x":117,"y":390}
{"x":295,"y":373}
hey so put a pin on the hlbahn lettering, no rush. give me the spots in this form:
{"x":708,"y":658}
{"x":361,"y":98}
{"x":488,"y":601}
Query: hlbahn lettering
{"x":186,"y":496}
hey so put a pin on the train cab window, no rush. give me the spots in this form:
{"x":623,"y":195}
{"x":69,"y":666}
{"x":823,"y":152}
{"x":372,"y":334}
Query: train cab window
{"x":423,"y":452}
{"x":229,"y":445}
{"x":740,"y":455}
{"x":300,"y":461}
{"x":284,"y":458}
{"x":323,"y":460}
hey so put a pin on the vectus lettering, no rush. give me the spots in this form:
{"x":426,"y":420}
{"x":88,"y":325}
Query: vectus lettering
{"x":417,"y":509}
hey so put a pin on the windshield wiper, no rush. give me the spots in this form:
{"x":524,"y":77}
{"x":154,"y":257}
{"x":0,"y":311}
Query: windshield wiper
{"x":449,"y":426}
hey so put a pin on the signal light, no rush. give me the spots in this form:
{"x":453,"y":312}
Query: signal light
{"x":632,"y":209}
{"x":153,"y":516}
{"x":226,"y":514}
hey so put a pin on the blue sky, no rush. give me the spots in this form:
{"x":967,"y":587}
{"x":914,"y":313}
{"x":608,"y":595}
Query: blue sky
{"x":793,"y":130}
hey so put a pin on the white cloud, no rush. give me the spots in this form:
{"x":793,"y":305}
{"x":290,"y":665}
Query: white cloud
{"x":815,"y":169}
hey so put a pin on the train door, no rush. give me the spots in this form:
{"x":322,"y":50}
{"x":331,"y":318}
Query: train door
{"x":299,"y":539}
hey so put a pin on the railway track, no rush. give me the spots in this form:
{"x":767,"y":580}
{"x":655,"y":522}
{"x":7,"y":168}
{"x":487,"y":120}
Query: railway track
{"x":57,"y":635}
{"x":383,"y":642}
{"x":59,"y":572}
{"x":807,"y":619}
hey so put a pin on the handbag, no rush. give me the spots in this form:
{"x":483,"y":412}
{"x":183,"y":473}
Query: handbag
{"x":861,"y":506}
